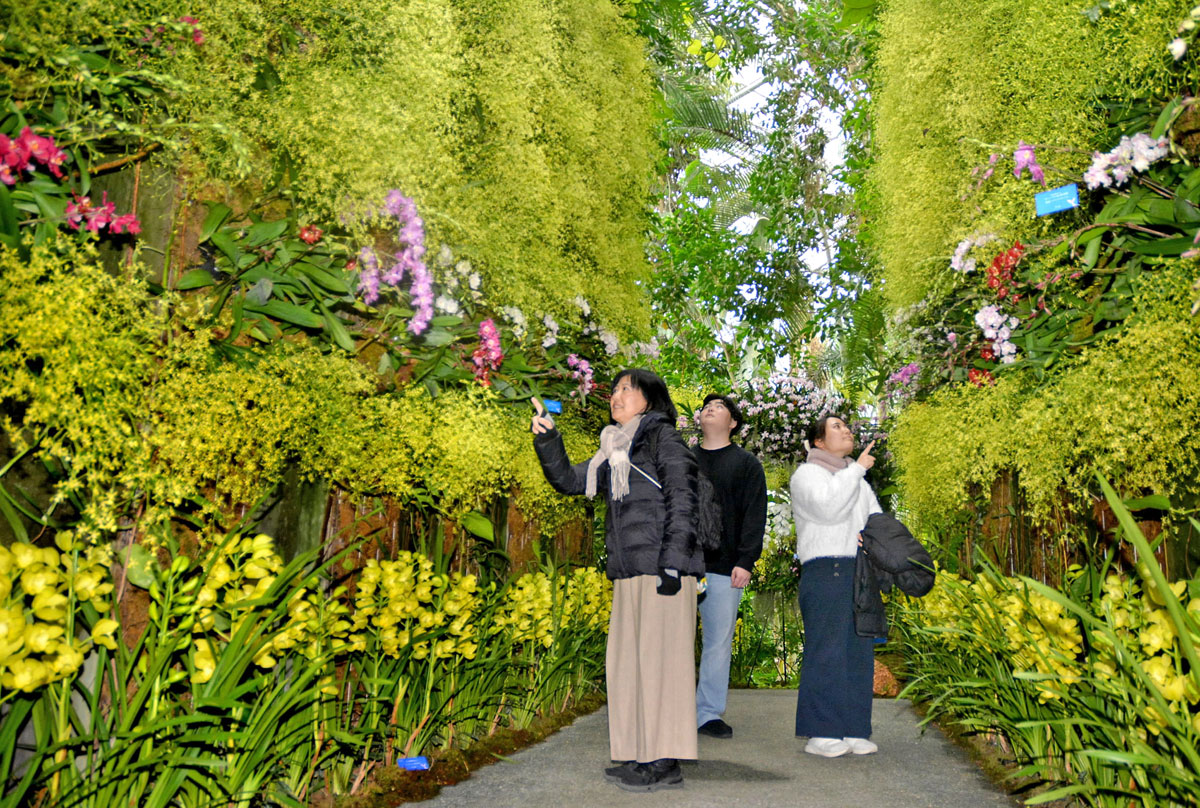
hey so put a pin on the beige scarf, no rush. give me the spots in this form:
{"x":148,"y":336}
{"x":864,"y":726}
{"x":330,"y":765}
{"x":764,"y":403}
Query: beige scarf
{"x":828,"y":461}
{"x":615,"y":442}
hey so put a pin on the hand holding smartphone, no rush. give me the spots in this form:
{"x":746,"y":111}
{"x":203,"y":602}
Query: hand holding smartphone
{"x":542,"y":422}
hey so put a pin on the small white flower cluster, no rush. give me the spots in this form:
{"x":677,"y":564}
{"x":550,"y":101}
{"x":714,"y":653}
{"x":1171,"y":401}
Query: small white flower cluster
{"x":997,"y":326}
{"x":520,"y":326}
{"x":1179,"y":46}
{"x":458,"y":280}
{"x":608,"y":338}
{"x":1131,"y":154}
{"x":650,"y":349}
{"x":960,"y":262}
{"x":551,"y":338}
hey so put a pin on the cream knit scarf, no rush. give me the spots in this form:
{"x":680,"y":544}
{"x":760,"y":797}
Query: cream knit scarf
{"x":614,"y":447}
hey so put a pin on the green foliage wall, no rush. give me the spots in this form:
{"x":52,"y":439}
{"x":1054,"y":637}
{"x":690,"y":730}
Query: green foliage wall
{"x":524,"y":130}
{"x":957,"y":80}
{"x":1126,"y":409}
{"x":138,"y":412}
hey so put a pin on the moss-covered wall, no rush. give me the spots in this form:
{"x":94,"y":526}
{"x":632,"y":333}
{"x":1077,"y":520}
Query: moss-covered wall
{"x":959,"y":80}
{"x":523,"y":130}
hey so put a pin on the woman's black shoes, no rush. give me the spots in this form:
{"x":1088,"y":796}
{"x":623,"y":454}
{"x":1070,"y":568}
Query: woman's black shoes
{"x":660,"y":774}
{"x":615,"y":773}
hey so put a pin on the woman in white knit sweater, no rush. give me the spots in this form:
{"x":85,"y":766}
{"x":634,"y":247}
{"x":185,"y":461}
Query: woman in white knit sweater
{"x":831,"y":502}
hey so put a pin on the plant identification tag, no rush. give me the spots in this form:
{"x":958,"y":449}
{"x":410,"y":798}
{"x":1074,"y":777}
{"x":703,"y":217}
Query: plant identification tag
{"x":1057,"y":200}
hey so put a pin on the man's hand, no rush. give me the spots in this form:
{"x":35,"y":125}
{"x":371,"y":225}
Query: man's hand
{"x":866,"y":459}
{"x":739,"y":578}
{"x":541,"y":423}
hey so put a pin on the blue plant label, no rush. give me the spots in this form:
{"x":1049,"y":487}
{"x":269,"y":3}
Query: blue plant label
{"x":414,"y":764}
{"x":1057,"y":200}
{"x":552,"y":406}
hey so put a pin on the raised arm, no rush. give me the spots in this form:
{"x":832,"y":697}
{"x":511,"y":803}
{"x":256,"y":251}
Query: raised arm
{"x":562,"y":476}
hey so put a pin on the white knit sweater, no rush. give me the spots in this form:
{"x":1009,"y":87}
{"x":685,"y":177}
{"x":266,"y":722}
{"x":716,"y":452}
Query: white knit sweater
{"x":830,"y":510}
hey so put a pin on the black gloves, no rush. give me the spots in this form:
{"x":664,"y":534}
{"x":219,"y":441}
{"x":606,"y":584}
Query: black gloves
{"x":668,"y":581}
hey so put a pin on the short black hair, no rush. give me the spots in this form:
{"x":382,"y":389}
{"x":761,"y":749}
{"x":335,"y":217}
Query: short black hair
{"x":730,"y":405}
{"x":816,"y":430}
{"x":652,"y":387}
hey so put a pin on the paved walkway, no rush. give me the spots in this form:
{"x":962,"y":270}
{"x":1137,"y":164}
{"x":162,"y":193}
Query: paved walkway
{"x":762,"y":765}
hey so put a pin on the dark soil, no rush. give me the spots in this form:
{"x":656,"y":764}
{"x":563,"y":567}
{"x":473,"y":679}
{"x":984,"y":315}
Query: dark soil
{"x":386,"y":787}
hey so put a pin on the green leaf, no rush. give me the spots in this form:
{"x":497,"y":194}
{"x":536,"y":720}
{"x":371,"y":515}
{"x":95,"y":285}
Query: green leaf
{"x":1166,"y":117}
{"x":288,"y":313}
{"x":479,"y":525}
{"x":443,"y":320}
{"x":228,"y":247}
{"x":217,"y":214}
{"x":1156,"y":501}
{"x":263,"y":232}
{"x":437,"y":337}
{"x":52,"y":208}
{"x":195,"y":279}
{"x":1164,"y":246}
{"x":323,"y":278}
{"x":140,"y":567}
{"x":337,"y":330}
{"x":8,"y":214}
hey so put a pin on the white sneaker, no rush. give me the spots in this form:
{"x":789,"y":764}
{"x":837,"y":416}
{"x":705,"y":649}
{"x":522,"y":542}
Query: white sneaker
{"x":826,"y":747}
{"x":860,"y":746}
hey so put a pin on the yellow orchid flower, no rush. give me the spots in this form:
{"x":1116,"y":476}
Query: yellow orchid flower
{"x":50,"y":606}
{"x":66,"y":661}
{"x":41,"y":637}
{"x":102,"y":633}
{"x":204,"y":661}
{"x":25,"y":675}
{"x":36,"y":579}
{"x":25,"y":555}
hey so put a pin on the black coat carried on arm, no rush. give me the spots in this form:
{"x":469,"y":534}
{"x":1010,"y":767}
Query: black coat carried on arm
{"x":651,"y":527}
{"x":889,"y":556}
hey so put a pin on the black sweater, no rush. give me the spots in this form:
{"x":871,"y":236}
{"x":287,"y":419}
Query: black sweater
{"x":741,"y":489}
{"x":649,"y":528}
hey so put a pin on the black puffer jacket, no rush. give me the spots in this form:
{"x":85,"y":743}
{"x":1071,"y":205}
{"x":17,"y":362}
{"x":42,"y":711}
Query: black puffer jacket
{"x":648,"y":529}
{"x":889,"y":556}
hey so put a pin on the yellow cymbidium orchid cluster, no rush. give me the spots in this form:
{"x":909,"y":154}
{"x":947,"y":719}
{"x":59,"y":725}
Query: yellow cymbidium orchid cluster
{"x":40,"y":588}
{"x":584,"y":598}
{"x":1036,"y":633}
{"x":589,"y":598}
{"x":1151,"y":637}
{"x":529,"y":610}
{"x":404,"y":603}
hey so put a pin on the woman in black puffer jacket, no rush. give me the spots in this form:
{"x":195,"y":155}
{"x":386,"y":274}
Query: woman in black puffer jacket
{"x":647,"y":476}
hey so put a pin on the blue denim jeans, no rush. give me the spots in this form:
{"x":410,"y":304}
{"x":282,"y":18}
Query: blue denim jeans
{"x":718,"y":617}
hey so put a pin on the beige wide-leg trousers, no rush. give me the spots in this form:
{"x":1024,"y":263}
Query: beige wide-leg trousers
{"x":651,"y":671}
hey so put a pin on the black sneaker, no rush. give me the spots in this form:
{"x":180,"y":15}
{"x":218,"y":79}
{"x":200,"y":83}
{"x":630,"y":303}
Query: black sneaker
{"x":716,"y":729}
{"x":615,"y":773}
{"x":654,"y":776}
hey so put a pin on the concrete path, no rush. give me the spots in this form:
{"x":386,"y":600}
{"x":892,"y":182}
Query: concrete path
{"x":762,"y":765}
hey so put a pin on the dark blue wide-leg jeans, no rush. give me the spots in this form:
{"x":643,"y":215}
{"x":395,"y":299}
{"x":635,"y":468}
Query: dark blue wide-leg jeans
{"x":838,"y":668}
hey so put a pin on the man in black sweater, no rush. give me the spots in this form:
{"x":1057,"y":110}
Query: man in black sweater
{"x":741,"y":490}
